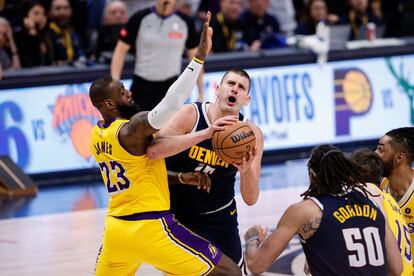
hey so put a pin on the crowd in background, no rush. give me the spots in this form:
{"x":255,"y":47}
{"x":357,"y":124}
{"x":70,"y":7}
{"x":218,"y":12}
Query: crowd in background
{"x":77,"y":32}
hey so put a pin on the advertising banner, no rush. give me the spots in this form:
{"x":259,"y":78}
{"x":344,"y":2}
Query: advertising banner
{"x":47,"y":129}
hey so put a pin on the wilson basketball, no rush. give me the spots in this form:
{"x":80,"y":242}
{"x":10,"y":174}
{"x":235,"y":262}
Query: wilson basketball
{"x":234,"y":142}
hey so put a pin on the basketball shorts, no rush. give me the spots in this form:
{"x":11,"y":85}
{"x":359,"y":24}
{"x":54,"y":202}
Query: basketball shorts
{"x":221,"y":228}
{"x":155,"y":238}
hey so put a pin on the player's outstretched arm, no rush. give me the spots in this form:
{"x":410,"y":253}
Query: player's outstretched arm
{"x":183,"y":86}
{"x":261,"y":252}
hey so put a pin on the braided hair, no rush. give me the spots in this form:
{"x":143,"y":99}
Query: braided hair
{"x":333,"y":173}
{"x":403,"y":140}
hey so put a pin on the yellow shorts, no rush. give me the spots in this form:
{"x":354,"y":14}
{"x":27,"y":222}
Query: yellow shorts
{"x":155,"y":238}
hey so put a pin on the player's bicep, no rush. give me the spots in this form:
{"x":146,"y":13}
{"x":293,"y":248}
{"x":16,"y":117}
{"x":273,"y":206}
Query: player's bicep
{"x":138,"y":127}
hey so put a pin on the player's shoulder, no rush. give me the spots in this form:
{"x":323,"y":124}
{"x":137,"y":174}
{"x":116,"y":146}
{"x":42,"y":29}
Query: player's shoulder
{"x":189,"y":110}
{"x":304,"y":207}
{"x":256,"y":129}
{"x":137,"y":125}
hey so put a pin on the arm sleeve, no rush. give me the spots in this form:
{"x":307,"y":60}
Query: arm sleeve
{"x":176,"y":95}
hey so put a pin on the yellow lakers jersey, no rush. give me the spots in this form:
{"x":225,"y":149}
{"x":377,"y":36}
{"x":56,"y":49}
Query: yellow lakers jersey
{"x":135,"y":184}
{"x":400,"y":230}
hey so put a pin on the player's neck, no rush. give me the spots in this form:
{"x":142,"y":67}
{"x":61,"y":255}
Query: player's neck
{"x":401,"y":179}
{"x":214,"y":112}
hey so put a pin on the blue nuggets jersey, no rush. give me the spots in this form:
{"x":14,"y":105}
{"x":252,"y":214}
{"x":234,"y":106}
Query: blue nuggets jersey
{"x":187,"y":199}
{"x":350,"y":239}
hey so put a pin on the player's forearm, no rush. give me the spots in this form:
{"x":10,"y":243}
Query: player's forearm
{"x":249,"y":186}
{"x":176,"y":95}
{"x":200,"y":86}
{"x":165,"y":146}
{"x":250,"y":253}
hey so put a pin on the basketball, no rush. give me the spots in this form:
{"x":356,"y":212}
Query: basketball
{"x":234,"y":142}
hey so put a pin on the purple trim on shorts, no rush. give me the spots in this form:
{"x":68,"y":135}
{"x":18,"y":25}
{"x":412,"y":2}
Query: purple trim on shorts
{"x":191,"y":241}
{"x":145,"y":216}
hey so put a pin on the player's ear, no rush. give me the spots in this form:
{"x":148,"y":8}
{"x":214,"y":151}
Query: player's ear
{"x":247,"y":101}
{"x":400,"y":158}
{"x":109,"y":104}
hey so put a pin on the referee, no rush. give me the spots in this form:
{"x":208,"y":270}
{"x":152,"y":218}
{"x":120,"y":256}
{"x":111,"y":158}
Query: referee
{"x":159,"y":35}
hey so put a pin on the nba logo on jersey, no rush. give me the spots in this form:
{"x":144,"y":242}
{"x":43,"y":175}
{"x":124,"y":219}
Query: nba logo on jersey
{"x":213,"y":250}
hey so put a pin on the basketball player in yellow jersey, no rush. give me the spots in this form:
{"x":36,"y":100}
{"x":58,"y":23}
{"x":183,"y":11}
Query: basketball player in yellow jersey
{"x":396,"y":149}
{"x":139,"y":227}
{"x":374,"y":167}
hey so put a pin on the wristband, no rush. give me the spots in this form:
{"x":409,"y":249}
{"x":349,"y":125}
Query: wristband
{"x":254,"y":238}
{"x":179,"y":178}
{"x":198,"y":60}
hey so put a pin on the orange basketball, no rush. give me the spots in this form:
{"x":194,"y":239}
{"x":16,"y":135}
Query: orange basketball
{"x":234,"y":142}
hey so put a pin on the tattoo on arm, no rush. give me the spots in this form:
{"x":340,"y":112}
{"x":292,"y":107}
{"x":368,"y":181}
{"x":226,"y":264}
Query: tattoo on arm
{"x":139,"y":122}
{"x":310,"y":227}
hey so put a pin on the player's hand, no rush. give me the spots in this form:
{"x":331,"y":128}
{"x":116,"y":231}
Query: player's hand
{"x":205,"y":44}
{"x":256,"y":231}
{"x":220,"y":123}
{"x":246,"y":161}
{"x":202,"y":180}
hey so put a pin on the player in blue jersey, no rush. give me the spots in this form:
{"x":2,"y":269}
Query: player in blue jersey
{"x":342,"y":231}
{"x":213,"y":213}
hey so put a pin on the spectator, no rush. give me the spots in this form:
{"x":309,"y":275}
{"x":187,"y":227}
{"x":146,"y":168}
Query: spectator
{"x":9,"y":57}
{"x":115,"y":16}
{"x":230,"y":31}
{"x":262,"y":26}
{"x":358,"y":17}
{"x":184,"y":7}
{"x":316,"y":11}
{"x":66,"y":45}
{"x":9,"y":9}
{"x":208,"y":5}
{"x":159,"y":35}
{"x":31,"y":40}
{"x":284,"y":11}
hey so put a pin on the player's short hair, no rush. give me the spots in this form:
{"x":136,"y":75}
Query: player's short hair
{"x":240,"y":72}
{"x":333,"y":173}
{"x":403,"y":140}
{"x":100,"y":90}
{"x":371,"y":162}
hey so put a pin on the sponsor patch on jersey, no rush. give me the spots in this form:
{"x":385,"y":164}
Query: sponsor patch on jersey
{"x":123,"y":32}
{"x":175,"y":35}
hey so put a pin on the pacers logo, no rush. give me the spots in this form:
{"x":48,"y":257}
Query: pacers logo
{"x":353,"y":97}
{"x":74,"y":117}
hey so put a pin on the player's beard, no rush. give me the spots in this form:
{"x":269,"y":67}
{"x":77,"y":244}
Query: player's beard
{"x":388,"y":167}
{"x":128,"y":110}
